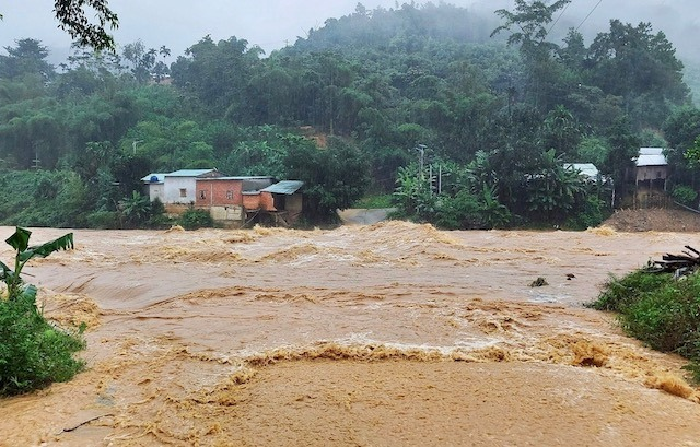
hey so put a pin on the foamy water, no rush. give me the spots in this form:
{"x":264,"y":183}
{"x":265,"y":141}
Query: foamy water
{"x":280,"y":337}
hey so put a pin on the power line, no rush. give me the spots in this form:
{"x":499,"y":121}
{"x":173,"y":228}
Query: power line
{"x":589,"y":14}
{"x":560,"y":14}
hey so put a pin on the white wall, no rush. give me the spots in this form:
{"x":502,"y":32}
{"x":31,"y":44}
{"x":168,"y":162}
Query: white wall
{"x":156,"y":191}
{"x":173,"y":185}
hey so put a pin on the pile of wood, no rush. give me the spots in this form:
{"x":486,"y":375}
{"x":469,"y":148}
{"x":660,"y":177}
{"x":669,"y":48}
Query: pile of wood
{"x":678,"y":264}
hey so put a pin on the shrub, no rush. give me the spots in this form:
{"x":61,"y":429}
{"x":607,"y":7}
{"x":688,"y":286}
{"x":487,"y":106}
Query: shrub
{"x":618,"y":294}
{"x":103,"y":219}
{"x":659,"y":310}
{"x":685,"y":195}
{"x":33,"y":353}
{"x":193,"y":219}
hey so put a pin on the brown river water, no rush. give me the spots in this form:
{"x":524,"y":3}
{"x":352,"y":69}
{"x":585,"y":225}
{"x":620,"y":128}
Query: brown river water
{"x":388,"y":334}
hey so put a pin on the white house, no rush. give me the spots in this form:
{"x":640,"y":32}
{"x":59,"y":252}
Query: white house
{"x":154,"y":186}
{"x":587,"y":170}
{"x":180,"y":186}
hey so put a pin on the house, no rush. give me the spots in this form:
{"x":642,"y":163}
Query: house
{"x":180,"y":188}
{"x":587,"y":170}
{"x":154,"y":186}
{"x":651,"y":168}
{"x":281,"y":203}
{"x":223,"y":196}
{"x":229,"y":199}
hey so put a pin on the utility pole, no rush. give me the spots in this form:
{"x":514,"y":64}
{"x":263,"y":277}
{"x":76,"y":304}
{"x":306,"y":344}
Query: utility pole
{"x":36,"y":162}
{"x":421,"y":150}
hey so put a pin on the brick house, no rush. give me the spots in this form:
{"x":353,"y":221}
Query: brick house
{"x":223,"y":196}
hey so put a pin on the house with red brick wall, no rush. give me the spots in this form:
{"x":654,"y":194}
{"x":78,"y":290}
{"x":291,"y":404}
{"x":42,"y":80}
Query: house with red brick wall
{"x":233,"y":200}
{"x":223,"y":196}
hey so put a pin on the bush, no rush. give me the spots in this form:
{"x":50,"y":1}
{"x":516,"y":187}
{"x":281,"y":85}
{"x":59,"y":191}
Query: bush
{"x":33,"y":353}
{"x":685,"y":195}
{"x":618,"y":294}
{"x":103,"y":220}
{"x":659,"y":310}
{"x":193,"y":219}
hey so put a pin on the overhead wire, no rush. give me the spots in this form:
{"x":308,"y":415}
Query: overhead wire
{"x":589,"y":14}
{"x":559,"y":17}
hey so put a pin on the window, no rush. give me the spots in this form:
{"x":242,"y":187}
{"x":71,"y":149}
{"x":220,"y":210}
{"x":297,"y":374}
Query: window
{"x":183,"y":192}
{"x":658,"y":175}
{"x":229,"y":194}
{"x":202,"y":194}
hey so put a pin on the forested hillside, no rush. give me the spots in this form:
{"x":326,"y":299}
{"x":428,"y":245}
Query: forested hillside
{"x":469,"y":120}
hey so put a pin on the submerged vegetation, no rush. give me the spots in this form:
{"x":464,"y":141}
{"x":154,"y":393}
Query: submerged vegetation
{"x":33,"y":352}
{"x":660,"y":310}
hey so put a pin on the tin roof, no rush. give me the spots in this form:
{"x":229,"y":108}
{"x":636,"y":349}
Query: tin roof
{"x":587,"y":169}
{"x":190,"y":173}
{"x":285,"y":186}
{"x":651,"y":151}
{"x":650,"y":157}
{"x":651,"y":160}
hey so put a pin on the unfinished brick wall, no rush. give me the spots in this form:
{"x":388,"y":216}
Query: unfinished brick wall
{"x":266,"y":201}
{"x":251,"y":202}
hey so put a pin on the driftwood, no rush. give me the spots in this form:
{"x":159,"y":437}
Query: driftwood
{"x":679,"y":264}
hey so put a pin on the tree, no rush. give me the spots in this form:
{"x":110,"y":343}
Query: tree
{"x":72,"y":18}
{"x":531,"y":20}
{"x":642,"y":68}
{"x":28,"y":56}
{"x":333,"y":178}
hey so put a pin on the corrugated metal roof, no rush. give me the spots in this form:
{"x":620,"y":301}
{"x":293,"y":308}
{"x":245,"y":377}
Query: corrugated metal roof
{"x":651,"y":160}
{"x":190,"y":173}
{"x":587,"y":169}
{"x":158,"y":176}
{"x":285,"y":186}
{"x":651,"y":151}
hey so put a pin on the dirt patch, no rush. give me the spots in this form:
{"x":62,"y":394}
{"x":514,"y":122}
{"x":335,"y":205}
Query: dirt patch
{"x":654,"y":220}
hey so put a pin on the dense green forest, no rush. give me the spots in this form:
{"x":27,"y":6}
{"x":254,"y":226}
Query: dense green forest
{"x":469,"y":121}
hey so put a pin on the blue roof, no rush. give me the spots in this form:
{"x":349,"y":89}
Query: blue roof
{"x":153,"y":178}
{"x":190,"y":173}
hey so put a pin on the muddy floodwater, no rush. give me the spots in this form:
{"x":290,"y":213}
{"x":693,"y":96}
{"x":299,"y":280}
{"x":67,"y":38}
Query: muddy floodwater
{"x":389,"y":334}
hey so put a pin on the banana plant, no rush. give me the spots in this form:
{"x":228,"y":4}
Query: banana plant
{"x":23,"y":253}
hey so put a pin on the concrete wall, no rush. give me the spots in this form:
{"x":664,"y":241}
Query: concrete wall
{"x":233,"y":213}
{"x":219,"y":193}
{"x":154,"y":191}
{"x":174,"y":184}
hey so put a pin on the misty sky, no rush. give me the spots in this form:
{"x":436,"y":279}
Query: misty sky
{"x":270,"y":24}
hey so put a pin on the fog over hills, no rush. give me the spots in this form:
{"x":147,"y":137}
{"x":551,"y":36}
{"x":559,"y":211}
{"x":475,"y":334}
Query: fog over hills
{"x":272,"y":24}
